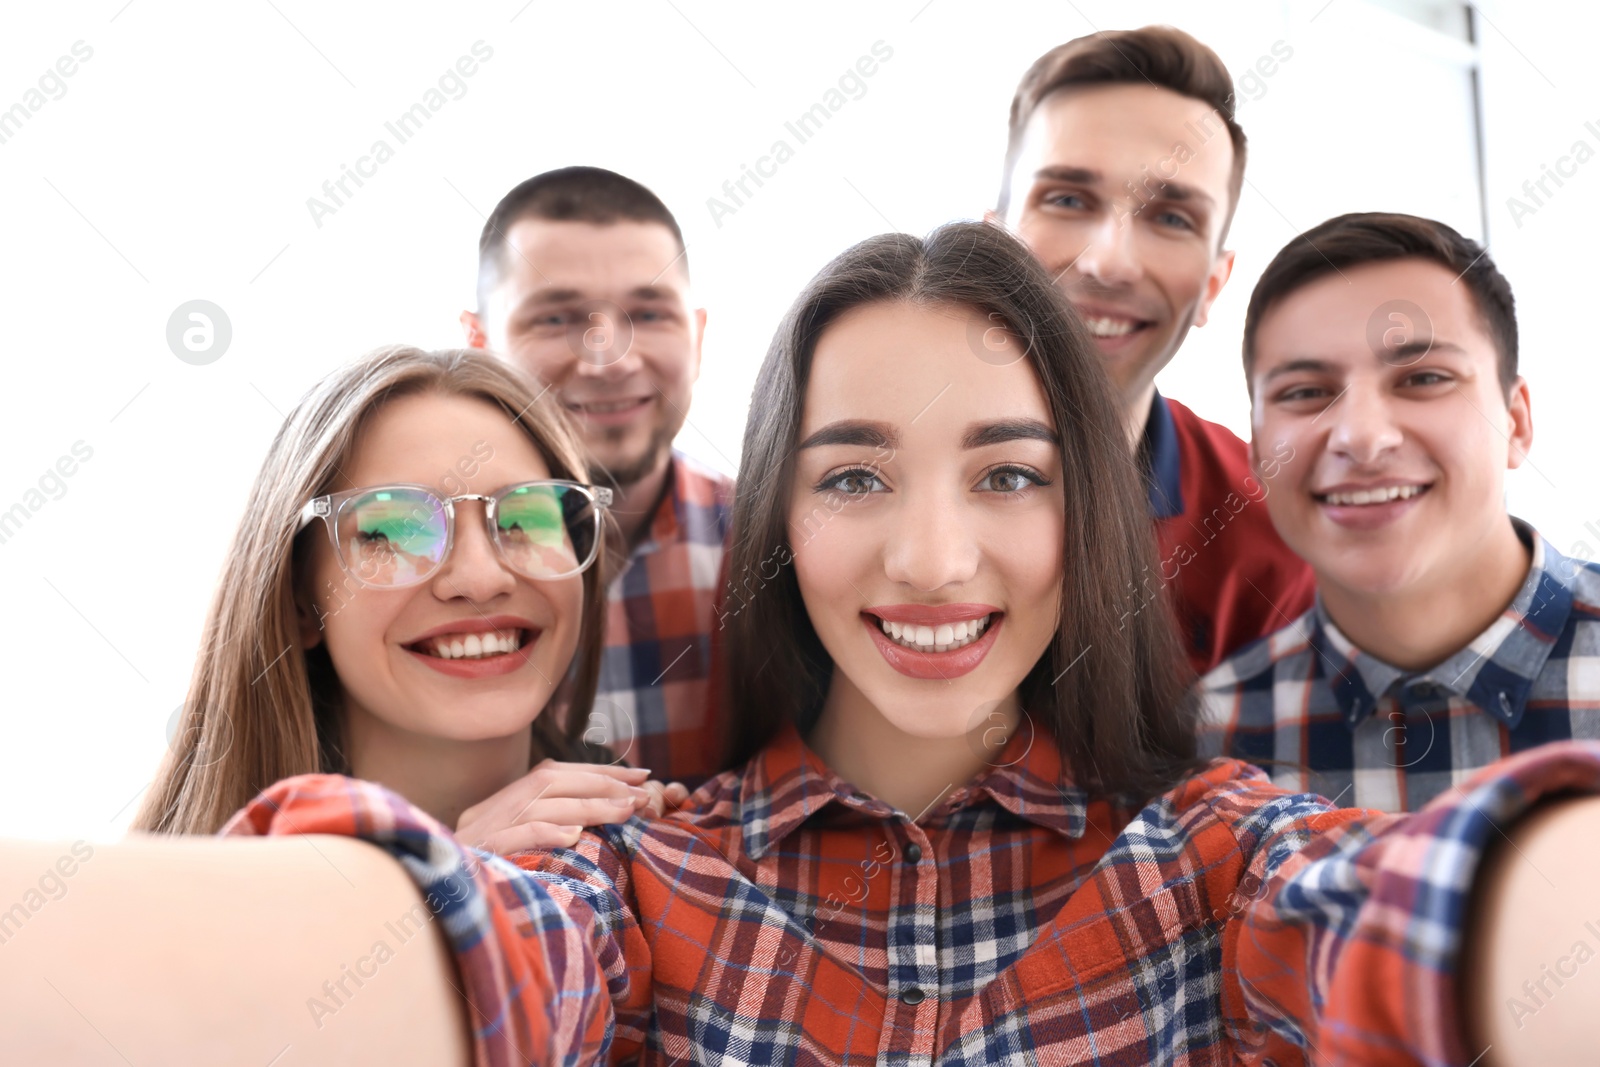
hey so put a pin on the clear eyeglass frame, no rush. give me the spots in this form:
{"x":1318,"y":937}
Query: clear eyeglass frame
{"x":327,"y":508}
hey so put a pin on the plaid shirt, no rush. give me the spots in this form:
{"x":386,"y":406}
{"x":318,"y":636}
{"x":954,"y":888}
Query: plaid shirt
{"x":652,"y":704}
{"x":785,"y":918}
{"x":1324,"y":716}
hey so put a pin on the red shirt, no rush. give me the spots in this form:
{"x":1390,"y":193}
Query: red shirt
{"x":785,"y":917}
{"x":1231,"y":577}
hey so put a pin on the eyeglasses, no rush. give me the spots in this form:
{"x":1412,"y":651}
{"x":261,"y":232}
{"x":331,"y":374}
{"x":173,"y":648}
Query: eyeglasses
{"x":392,"y":536}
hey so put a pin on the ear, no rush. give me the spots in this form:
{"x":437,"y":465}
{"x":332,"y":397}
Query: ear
{"x":1519,"y":407}
{"x":1221,"y":271}
{"x":993,"y":219}
{"x":473,"y":329}
{"x":308,"y":623}
{"x":699,"y":339}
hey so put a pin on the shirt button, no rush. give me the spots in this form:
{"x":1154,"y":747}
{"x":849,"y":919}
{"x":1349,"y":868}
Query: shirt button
{"x":913,"y":995}
{"x":913,"y":853}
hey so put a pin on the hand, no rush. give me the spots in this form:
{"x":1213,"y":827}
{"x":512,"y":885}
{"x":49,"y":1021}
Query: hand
{"x":550,"y":805}
{"x":665,"y":797}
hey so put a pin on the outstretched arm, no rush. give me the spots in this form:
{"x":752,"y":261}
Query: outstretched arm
{"x":1530,"y":986}
{"x":1410,"y":939}
{"x":205,"y":951}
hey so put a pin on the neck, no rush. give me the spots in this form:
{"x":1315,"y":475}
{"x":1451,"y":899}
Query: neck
{"x":443,"y":777}
{"x":1423,"y":626}
{"x":634,"y":505}
{"x":906,"y":772}
{"x":1136,"y":413}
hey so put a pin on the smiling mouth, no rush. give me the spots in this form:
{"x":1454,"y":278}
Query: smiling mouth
{"x":1372,"y":497}
{"x":606,"y":407}
{"x":942,"y":638}
{"x":484,"y":645}
{"x":1109,"y":326}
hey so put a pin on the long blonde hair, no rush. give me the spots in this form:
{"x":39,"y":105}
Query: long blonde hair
{"x":260,"y":707}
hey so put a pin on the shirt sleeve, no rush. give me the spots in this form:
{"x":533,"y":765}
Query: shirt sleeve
{"x":1346,"y":951}
{"x":551,"y":958}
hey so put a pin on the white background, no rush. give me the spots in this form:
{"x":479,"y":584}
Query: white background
{"x":178,"y":163}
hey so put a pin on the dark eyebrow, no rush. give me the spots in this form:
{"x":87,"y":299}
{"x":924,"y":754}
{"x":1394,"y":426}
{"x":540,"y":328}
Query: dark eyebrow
{"x":544,"y":297}
{"x":652,"y":292}
{"x":853,"y":432}
{"x":1178,"y":192}
{"x":1076,"y":175}
{"x":550,"y":296}
{"x":994,"y":433}
{"x":1415,"y":350}
{"x":1405,"y":355}
{"x":1313,"y":366}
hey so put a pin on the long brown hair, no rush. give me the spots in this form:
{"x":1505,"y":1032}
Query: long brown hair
{"x":1113,"y":689}
{"x":260,"y":707}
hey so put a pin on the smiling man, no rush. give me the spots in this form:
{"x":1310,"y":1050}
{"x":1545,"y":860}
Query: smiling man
{"x":583,"y":281}
{"x":1123,"y":170}
{"x":1381,"y":352}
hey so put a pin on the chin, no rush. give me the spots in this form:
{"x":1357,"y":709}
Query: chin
{"x":943,"y":718}
{"x":1378,"y":574}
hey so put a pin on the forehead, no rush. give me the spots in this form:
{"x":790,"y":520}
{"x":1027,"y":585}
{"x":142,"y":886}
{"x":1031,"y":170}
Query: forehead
{"x":1118,"y":129}
{"x":1342,"y":315}
{"x":424,"y":437}
{"x":916,"y":367}
{"x":590,"y":257}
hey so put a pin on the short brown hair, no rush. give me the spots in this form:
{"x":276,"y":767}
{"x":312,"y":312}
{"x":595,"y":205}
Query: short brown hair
{"x":1378,"y":237}
{"x":570,"y":194}
{"x":1163,"y":56}
{"x":1113,"y":689}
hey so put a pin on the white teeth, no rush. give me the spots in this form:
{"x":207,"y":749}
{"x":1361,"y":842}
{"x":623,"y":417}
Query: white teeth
{"x":1362,"y":497}
{"x":935,"y":639}
{"x":473,"y":646}
{"x":605,"y":408}
{"x":1102,"y":327}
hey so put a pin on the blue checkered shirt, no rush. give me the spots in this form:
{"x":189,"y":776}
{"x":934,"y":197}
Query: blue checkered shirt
{"x":1322,"y":716}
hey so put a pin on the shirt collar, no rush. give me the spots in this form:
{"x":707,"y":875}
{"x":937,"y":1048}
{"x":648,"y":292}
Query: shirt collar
{"x":1164,"y":474}
{"x":667,"y":524}
{"x":1496,"y":669}
{"x":787,"y":783}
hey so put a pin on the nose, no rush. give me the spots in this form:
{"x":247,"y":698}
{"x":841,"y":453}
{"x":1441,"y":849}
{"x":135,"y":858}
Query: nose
{"x":1363,"y":426}
{"x":473,"y":569}
{"x":931,"y":542}
{"x":603,"y":344}
{"x":1110,"y":257}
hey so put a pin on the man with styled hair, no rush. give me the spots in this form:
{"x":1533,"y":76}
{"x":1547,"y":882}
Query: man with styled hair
{"x":1122,"y":172}
{"x":583,"y":281}
{"x":1381,"y":353}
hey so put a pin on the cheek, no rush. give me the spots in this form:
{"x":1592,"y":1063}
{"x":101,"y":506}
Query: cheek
{"x":353,"y":631}
{"x":1032,"y":580}
{"x":546,"y":358}
{"x":830,"y":550}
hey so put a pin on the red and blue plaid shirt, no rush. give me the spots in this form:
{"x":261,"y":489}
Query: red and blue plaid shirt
{"x":786,"y":918}
{"x":652,"y":707}
{"x":1322,"y":715}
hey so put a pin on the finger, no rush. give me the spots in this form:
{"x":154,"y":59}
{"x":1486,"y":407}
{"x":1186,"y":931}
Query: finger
{"x":531,"y":835}
{"x":550,"y":782}
{"x":562,"y":811}
{"x":657,"y":802}
{"x":612,"y":770}
{"x":677,"y":793}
